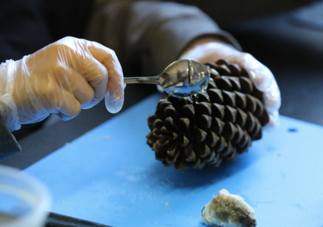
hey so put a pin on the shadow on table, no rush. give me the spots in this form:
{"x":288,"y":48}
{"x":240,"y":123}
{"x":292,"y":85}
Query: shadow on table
{"x":193,"y":178}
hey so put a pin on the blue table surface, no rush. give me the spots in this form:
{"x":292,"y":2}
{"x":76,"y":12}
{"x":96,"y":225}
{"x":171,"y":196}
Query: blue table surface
{"x":110,"y":176}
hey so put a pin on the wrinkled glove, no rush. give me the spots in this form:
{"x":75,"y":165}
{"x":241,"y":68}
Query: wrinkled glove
{"x":209,"y":50}
{"x":62,"y":78}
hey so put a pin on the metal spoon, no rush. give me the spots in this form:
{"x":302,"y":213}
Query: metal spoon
{"x":180,"y":79}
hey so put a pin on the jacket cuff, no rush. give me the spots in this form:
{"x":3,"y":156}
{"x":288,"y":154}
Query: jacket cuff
{"x":8,"y":143}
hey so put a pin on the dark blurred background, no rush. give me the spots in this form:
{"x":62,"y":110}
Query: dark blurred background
{"x":291,"y":45}
{"x":286,"y":36}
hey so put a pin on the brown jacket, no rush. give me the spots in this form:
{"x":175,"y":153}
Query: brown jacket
{"x":148,"y":35}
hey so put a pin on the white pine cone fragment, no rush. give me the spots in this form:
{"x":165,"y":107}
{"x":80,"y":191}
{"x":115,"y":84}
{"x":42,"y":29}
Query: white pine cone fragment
{"x":227,"y":210}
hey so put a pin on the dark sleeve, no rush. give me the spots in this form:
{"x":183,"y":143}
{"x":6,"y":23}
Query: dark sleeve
{"x":151,"y":34}
{"x":8,"y":143}
{"x":27,"y":26}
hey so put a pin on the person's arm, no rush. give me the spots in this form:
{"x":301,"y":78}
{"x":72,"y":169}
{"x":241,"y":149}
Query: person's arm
{"x":8,"y":144}
{"x":61,"y":78}
{"x":151,"y":34}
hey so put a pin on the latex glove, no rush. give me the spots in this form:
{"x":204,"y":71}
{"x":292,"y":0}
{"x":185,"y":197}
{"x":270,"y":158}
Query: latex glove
{"x":62,"y":78}
{"x":210,"y":50}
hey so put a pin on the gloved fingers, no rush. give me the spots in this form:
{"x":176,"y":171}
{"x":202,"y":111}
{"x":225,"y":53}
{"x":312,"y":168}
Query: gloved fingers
{"x":84,"y":50}
{"x":259,"y":73}
{"x":69,"y":107}
{"x":113,"y":105}
{"x":272,"y":97}
{"x":79,"y":86}
{"x":211,"y":52}
{"x":273,"y":120}
{"x":75,"y":53}
{"x":264,"y":81}
{"x":96,"y":75}
{"x":62,"y":79}
{"x":71,"y":42}
{"x":115,"y":93}
{"x":261,"y":76}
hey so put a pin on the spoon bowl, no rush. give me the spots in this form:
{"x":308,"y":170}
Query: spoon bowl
{"x":179,"y":79}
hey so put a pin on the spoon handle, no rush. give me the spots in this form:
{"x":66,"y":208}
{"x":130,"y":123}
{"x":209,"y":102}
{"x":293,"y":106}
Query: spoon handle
{"x":142,"y":80}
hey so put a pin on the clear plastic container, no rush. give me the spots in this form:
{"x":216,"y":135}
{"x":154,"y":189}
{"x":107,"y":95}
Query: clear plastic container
{"x":24,"y":200}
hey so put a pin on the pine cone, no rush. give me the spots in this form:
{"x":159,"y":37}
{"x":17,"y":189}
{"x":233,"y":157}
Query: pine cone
{"x":210,"y":127}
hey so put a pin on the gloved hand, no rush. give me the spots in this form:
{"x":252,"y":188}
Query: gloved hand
{"x":62,"y":78}
{"x":210,"y":50}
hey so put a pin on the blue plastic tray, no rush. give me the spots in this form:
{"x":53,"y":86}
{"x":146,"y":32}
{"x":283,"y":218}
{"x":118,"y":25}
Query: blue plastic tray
{"x":110,"y":176}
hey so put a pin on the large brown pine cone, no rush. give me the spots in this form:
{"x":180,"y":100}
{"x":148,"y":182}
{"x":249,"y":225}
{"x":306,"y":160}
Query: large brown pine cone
{"x":210,"y":127}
